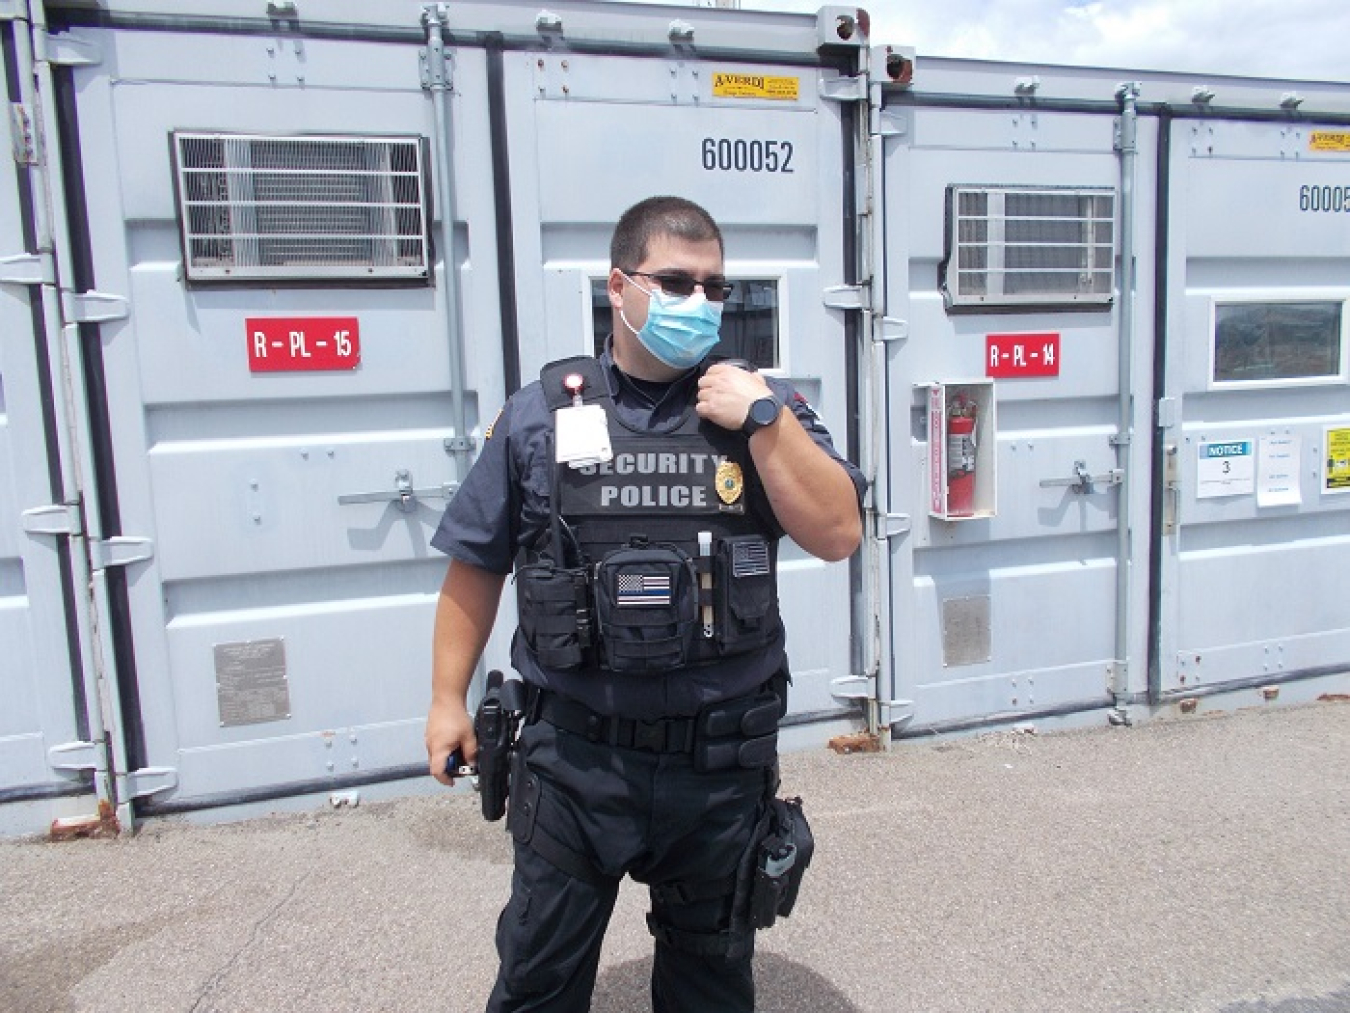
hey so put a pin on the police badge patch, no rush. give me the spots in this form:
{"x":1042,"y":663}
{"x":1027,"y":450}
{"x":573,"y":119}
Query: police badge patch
{"x":730,"y":482}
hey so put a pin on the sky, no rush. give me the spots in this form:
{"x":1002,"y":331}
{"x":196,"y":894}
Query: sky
{"x":1299,"y":39}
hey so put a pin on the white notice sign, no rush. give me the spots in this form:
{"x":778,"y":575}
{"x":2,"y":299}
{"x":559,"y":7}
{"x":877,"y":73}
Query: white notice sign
{"x":1277,"y":471}
{"x":1225,"y":469}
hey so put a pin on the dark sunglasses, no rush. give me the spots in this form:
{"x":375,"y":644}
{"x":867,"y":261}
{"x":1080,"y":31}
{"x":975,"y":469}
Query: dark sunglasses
{"x":683,"y":285}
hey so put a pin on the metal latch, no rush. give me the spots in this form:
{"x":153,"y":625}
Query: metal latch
{"x":844,"y":89}
{"x":892,"y":526}
{"x":57,"y":519}
{"x":845,"y":297}
{"x":121,"y":550}
{"x":73,"y":756}
{"x":896,"y":713}
{"x":1171,"y":489}
{"x":92,"y":307}
{"x":147,"y":781}
{"x":24,"y":269}
{"x":853,"y":687}
{"x":891,"y":329}
{"x":403,"y":494}
{"x":1084,"y":482}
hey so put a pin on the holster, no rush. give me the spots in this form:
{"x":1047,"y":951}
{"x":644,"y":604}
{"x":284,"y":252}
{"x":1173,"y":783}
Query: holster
{"x":771,"y":873}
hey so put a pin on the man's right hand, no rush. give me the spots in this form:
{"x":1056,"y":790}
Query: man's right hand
{"x":449,"y":729}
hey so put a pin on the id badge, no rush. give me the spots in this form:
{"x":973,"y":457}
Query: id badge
{"x":581,"y":434}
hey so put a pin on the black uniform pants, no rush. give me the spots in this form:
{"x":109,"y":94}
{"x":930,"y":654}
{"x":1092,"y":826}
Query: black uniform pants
{"x":626,"y":811}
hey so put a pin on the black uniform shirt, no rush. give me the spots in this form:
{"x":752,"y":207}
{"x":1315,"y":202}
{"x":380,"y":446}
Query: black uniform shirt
{"x":502,"y":506}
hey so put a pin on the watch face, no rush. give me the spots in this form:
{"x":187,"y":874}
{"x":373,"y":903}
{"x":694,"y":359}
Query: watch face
{"x":764,"y":411}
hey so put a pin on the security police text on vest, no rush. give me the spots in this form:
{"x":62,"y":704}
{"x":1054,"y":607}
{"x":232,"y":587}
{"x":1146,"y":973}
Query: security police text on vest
{"x":656,"y":463}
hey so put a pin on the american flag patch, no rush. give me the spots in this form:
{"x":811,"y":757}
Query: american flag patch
{"x":750,"y":559}
{"x":644,"y":589}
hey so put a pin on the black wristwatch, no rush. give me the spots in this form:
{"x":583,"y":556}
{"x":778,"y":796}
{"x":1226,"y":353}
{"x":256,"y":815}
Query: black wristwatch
{"x":763,"y":412}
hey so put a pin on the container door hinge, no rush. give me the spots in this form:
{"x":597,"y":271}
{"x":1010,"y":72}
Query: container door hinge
{"x":76,"y":756}
{"x":892,"y":526}
{"x":437,"y":67}
{"x":56,"y":519}
{"x":844,"y":89}
{"x":147,"y":781}
{"x":92,"y":307}
{"x":120,"y":551}
{"x":64,"y":50}
{"x":23,"y":269}
{"x":846,"y":297}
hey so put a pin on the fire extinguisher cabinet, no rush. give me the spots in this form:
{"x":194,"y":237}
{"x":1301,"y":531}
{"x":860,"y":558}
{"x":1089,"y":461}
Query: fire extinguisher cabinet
{"x":961,"y":449}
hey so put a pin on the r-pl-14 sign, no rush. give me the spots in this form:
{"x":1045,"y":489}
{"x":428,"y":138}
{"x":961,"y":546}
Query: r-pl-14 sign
{"x":289,"y":344}
{"x":1227,"y":468}
{"x":1009,"y":356}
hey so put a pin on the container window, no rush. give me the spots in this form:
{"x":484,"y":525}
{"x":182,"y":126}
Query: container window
{"x":1279,"y":341}
{"x":1025,"y":246}
{"x":749,"y":321}
{"x":255,"y":208}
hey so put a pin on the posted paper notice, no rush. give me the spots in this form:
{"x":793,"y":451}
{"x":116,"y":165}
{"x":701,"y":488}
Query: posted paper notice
{"x":1226,"y":469}
{"x":1277,"y":471}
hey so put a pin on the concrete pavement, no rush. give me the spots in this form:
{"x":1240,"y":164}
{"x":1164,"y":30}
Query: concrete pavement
{"x":1191,"y":865}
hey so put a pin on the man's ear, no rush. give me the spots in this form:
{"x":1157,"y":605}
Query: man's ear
{"x":615,"y":288}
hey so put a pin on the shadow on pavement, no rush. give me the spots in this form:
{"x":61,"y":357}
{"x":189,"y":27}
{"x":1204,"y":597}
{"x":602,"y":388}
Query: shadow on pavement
{"x":781,"y":985}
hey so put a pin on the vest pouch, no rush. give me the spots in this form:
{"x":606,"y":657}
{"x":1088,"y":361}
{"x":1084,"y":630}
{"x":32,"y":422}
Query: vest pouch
{"x":554,"y":614}
{"x":745,"y":593}
{"x":646,"y":606}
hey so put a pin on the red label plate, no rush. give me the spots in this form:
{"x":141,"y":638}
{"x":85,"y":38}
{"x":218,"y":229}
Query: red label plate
{"x":1018,"y":355}
{"x":289,"y":344}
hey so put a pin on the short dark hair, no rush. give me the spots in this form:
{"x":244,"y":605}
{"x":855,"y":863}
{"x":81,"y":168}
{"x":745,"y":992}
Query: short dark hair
{"x":659,"y":216}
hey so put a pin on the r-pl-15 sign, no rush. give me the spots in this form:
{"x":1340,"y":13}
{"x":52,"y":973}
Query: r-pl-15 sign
{"x":289,"y":344}
{"x":1227,"y":468}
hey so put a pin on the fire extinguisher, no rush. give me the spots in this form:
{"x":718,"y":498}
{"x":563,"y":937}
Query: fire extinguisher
{"x":961,"y":457}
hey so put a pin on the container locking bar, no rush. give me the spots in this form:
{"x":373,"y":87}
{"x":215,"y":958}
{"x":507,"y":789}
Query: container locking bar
{"x":403,"y":495}
{"x":1083,"y":482}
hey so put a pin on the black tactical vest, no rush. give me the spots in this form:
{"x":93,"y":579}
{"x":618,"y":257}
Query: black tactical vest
{"x":656,"y":559}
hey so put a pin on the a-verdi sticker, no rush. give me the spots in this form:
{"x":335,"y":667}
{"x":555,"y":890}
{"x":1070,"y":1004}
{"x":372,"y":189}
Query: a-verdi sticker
{"x":726,"y":85}
{"x":1329,"y":140}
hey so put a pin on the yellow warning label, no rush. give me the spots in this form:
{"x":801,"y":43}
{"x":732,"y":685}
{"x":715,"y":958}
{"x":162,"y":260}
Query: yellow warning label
{"x":1338,"y":461}
{"x":1329,"y":140}
{"x":755,"y":86}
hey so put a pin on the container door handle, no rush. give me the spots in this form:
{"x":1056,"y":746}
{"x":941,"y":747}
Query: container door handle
{"x":403,"y":495}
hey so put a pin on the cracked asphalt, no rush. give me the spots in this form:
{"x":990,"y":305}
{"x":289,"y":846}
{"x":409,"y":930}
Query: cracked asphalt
{"x":1189,"y":865}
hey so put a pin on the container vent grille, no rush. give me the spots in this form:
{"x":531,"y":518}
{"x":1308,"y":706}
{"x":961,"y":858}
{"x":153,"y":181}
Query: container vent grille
{"x":1020,"y":246}
{"x":255,"y":208}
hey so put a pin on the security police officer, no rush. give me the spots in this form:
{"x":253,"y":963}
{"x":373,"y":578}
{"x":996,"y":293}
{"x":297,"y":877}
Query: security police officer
{"x":639,"y":498}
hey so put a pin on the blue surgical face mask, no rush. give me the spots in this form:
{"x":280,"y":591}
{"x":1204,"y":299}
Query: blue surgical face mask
{"x":679,"y":331}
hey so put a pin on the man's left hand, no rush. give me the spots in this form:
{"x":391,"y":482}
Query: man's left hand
{"x":726,"y":392}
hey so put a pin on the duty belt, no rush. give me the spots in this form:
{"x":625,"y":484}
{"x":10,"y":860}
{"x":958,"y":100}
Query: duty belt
{"x":740,"y":733}
{"x":663,"y":735}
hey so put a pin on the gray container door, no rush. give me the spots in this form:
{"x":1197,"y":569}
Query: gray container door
{"x":591,"y":136}
{"x":1013,"y":612}
{"x":36,"y":671}
{"x":281,"y":440}
{"x":1255,"y":548}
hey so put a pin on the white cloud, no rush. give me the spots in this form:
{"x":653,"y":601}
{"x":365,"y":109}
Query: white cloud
{"x":1301,"y":39}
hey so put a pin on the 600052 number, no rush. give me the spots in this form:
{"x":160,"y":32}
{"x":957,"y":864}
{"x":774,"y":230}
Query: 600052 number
{"x":726,"y":154}
{"x":1324,"y":198}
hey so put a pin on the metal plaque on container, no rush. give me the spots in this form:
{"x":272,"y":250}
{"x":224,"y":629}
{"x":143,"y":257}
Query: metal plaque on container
{"x":965,"y":631}
{"x":251,"y":683}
